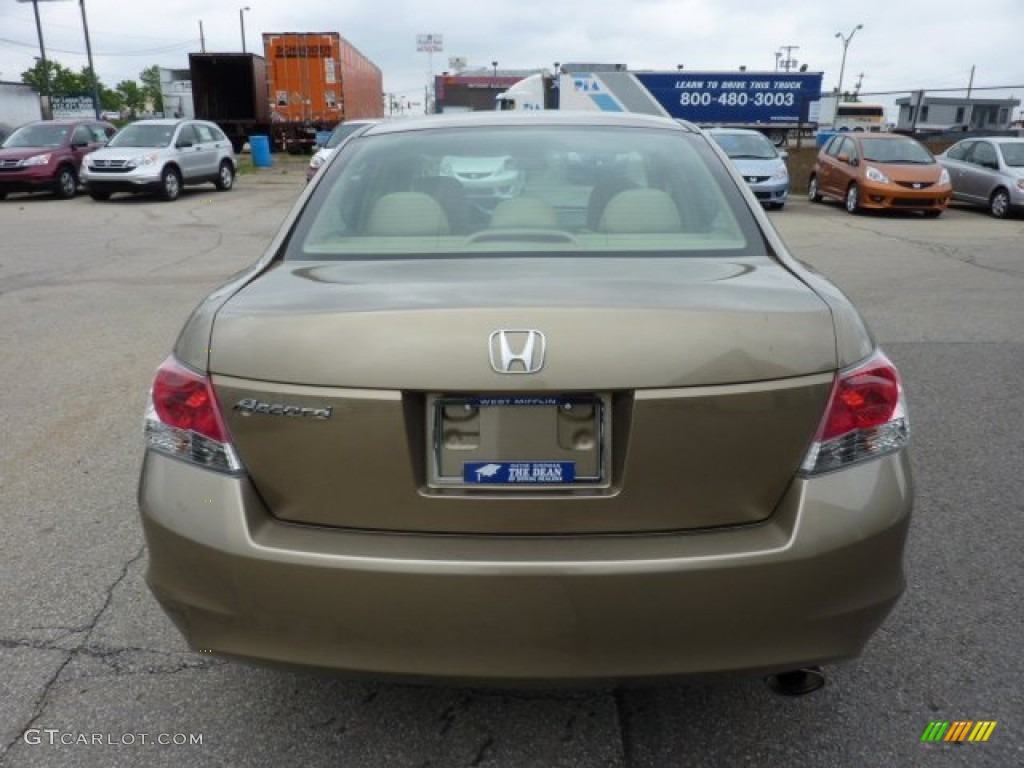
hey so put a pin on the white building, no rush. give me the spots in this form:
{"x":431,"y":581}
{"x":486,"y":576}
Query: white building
{"x":176,"y":89}
{"x":920,"y":112}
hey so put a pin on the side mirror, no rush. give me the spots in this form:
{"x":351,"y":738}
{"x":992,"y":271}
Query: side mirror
{"x":843,"y":158}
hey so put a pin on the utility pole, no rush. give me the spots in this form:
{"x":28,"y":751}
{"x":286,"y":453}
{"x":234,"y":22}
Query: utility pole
{"x":789,"y":62}
{"x":970,"y":109}
{"x":92,"y":70}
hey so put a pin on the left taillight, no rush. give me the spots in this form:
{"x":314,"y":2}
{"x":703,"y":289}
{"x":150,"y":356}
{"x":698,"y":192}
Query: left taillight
{"x":183,"y":420}
{"x":866,"y":417}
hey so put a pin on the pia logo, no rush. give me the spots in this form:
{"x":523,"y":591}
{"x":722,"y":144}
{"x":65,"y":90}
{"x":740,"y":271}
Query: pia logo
{"x":958,"y":730}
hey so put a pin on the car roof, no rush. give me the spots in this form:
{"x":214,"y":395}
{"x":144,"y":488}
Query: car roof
{"x":736,"y":131}
{"x":162,"y":121}
{"x":65,"y":121}
{"x":497,"y":118}
{"x":875,"y":135}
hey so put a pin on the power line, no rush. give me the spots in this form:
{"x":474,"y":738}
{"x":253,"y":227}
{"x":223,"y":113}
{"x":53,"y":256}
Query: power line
{"x":146,"y":52}
{"x":943,"y":90}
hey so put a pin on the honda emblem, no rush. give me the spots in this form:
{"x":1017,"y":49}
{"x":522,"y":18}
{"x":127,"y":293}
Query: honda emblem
{"x":517,"y":351}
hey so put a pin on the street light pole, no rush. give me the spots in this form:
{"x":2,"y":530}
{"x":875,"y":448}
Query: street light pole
{"x":241,"y":23}
{"x":842,"y":67}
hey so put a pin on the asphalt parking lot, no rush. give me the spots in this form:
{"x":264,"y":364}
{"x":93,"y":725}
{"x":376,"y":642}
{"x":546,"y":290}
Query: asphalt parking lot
{"x":91,"y":298}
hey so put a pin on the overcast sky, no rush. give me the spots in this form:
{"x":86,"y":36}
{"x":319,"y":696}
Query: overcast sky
{"x":904,"y":44}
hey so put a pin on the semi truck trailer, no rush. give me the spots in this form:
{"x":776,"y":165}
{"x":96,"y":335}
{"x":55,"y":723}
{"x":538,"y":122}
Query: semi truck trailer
{"x":775,"y":103}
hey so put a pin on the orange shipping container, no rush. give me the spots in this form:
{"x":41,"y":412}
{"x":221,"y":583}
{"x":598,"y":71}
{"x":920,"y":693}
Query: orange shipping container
{"x":319,"y":77}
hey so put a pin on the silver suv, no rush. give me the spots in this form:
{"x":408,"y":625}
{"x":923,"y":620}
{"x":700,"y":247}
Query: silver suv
{"x":160,"y":156}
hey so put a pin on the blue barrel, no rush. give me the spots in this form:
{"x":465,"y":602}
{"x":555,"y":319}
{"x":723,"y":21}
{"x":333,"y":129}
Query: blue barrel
{"x":823,"y":137}
{"x":322,"y":137}
{"x":259,"y":146}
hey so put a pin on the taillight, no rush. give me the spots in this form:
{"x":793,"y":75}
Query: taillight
{"x":183,"y":420}
{"x":866,"y":417}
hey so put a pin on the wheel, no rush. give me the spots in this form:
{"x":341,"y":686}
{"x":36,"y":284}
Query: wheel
{"x":999,"y":204}
{"x":812,"y":190}
{"x":3,"y":195}
{"x":65,"y":185}
{"x":853,"y":199}
{"x":95,"y":194}
{"x":225,"y":176}
{"x":932,"y":214}
{"x":170,"y":184}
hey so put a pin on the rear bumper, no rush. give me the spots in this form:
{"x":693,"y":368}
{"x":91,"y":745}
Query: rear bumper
{"x":810,"y":585}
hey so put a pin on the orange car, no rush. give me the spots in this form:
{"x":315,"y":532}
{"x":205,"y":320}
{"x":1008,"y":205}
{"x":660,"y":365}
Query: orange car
{"x":880,"y":170}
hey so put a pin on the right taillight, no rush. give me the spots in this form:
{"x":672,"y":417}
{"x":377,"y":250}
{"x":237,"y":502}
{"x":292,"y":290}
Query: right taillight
{"x":866,"y":417}
{"x":183,"y":419}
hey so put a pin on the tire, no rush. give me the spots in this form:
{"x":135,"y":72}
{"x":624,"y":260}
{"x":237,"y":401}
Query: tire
{"x":3,"y":195}
{"x":170,"y":184}
{"x":225,"y":176}
{"x":999,"y":204}
{"x":812,"y":190}
{"x":852,"y":201}
{"x":65,"y":185}
{"x":95,"y":194}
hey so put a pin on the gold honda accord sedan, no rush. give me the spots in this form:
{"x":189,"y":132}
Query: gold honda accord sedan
{"x":603,"y":429}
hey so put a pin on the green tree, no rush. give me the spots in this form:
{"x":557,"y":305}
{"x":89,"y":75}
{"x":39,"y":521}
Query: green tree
{"x":150,"y":78}
{"x":110,"y":100}
{"x":133,"y":99}
{"x":54,"y":78}
{"x":62,"y":81}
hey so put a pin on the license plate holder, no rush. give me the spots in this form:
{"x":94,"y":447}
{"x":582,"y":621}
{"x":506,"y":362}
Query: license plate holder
{"x":519,"y":442}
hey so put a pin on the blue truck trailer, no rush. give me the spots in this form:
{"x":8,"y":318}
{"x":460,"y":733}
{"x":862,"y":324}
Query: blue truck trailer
{"x":775,"y":103}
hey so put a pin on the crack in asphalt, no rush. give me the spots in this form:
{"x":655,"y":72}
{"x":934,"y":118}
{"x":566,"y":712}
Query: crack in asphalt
{"x":622,"y":715}
{"x":950,"y":252}
{"x":43,"y":699}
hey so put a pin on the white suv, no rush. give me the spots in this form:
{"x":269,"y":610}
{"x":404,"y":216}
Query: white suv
{"x":160,"y":156}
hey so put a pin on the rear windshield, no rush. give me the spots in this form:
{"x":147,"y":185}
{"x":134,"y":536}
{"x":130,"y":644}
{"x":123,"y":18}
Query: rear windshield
{"x":1013,"y":153}
{"x":148,"y":136}
{"x":558,"y":190}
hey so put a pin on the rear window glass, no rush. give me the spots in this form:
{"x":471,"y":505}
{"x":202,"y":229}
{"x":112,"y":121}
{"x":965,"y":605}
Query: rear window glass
{"x":558,"y":190}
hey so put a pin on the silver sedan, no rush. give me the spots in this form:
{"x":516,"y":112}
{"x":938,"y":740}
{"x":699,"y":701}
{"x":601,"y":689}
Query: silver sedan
{"x":989,"y":172}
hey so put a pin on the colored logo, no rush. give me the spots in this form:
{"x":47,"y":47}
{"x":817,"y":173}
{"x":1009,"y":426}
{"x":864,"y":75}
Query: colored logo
{"x":958,"y":730}
{"x":519,"y":472}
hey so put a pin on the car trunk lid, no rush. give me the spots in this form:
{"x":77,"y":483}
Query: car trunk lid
{"x":707,"y":379}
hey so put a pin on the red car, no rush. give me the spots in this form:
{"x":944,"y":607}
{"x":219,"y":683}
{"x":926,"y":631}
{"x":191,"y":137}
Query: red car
{"x":46,"y":155}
